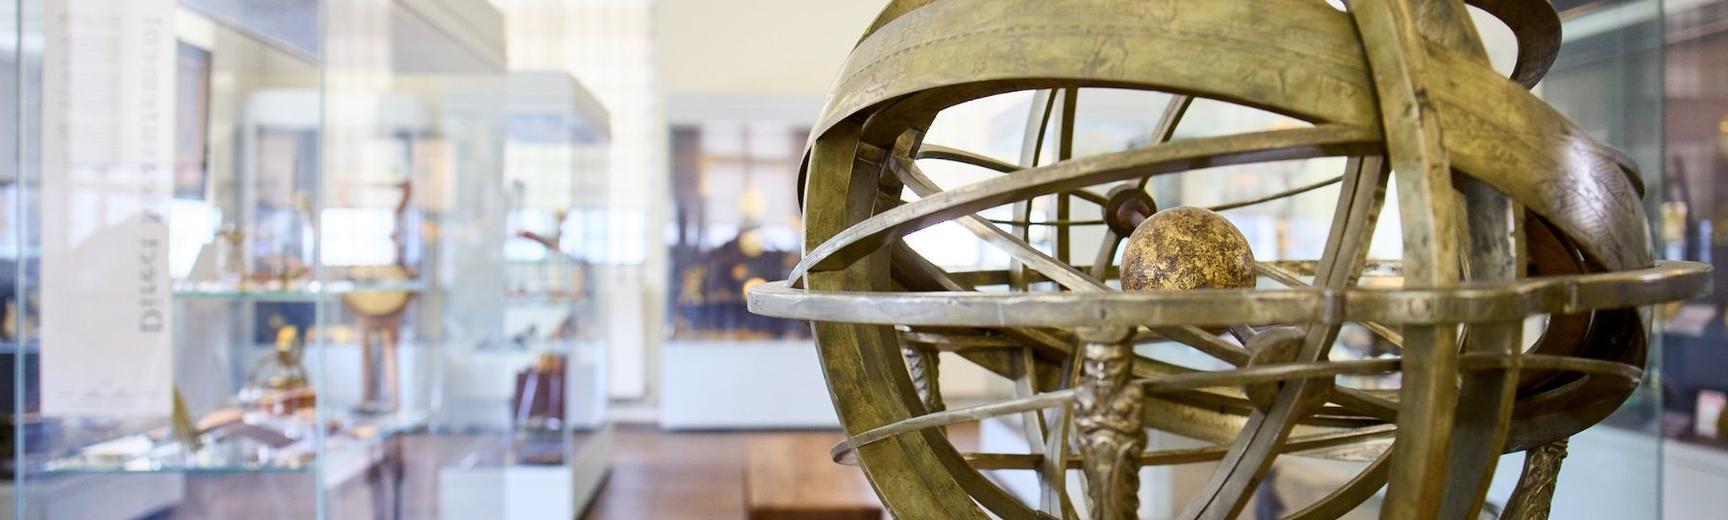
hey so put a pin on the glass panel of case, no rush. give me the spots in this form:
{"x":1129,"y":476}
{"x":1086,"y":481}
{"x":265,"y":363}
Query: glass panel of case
{"x":359,"y":260}
{"x":164,"y":248}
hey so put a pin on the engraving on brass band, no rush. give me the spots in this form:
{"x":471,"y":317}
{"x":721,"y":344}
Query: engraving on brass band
{"x":1507,"y":211}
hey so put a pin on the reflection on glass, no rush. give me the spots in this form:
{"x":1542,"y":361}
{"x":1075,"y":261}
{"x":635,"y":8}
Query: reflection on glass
{"x":1694,"y":203}
{"x":736,"y":225}
{"x":376,"y":244}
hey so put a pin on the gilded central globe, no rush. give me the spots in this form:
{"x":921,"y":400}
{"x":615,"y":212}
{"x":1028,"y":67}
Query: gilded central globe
{"x":1185,"y":248}
{"x":1507,"y":211}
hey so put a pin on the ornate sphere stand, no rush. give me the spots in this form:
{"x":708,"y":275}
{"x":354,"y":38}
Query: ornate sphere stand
{"x":1507,"y":209}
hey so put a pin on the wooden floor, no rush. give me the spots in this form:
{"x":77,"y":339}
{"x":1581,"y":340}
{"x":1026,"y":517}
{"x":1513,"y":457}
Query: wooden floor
{"x":686,"y":475}
{"x":655,"y":475}
{"x":672,"y":476}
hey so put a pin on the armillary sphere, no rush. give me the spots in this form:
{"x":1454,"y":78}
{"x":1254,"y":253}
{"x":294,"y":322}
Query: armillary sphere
{"x":1506,"y":209}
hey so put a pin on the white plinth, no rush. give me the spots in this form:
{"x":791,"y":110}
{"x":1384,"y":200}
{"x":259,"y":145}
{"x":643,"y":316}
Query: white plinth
{"x":79,"y":497}
{"x":766,"y":385}
{"x":527,"y":492}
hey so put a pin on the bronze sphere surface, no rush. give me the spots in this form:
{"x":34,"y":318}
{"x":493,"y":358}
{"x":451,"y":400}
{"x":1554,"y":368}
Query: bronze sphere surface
{"x":1186,"y":248}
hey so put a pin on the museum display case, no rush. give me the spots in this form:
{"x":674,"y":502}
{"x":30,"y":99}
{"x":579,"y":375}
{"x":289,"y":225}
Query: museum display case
{"x":1694,"y":135}
{"x":735,"y":224}
{"x":299,"y":259}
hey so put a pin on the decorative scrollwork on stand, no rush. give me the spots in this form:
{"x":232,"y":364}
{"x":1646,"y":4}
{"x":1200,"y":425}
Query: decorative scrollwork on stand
{"x":921,"y":364}
{"x":1534,"y":496}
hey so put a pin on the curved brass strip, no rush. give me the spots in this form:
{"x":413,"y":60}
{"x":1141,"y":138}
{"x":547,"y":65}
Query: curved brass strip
{"x":1049,"y":223}
{"x":1167,"y":384}
{"x":943,"y":153}
{"x":1402,"y":41}
{"x":956,"y":342}
{"x":948,"y":417}
{"x":1377,"y":268}
{"x":1466,"y":303}
{"x":1504,"y":136}
{"x":1275,"y":196}
{"x":913,"y":177}
{"x":1625,"y":372}
{"x":1297,"y":444}
{"x":1352,"y":494}
{"x":1270,"y":45}
{"x":872,"y":233}
{"x":864,"y":371}
{"x":1536,"y":26}
{"x":1534,"y":23}
{"x":1166,"y":129}
{"x":1288,"y":278}
{"x":893,"y":11}
{"x":1270,"y":373}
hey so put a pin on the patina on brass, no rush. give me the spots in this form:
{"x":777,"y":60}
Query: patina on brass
{"x":1186,"y":248}
{"x":1507,"y":209}
{"x":1275,"y":346}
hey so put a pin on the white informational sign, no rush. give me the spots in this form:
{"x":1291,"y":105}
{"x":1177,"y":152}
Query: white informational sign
{"x":107,"y":155}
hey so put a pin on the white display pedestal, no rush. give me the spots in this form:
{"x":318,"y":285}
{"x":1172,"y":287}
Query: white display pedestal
{"x":1609,"y":473}
{"x":1693,"y":477}
{"x":750,"y":385}
{"x":527,"y":492}
{"x":76,"y":497}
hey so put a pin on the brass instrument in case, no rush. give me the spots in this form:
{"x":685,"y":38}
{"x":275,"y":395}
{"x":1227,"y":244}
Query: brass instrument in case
{"x":1508,"y":211}
{"x":278,"y":384}
{"x":380,"y":315}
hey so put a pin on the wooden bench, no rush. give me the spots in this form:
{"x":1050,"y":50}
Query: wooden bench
{"x":788,"y":476}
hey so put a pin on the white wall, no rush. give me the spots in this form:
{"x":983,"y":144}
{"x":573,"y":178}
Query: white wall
{"x":757,"y":47}
{"x":608,"y":45}
{"x":767,"y":60}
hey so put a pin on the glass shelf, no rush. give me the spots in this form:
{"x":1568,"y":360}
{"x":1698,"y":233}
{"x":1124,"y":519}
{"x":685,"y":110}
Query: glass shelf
{"x":307,"y":291}
{"x":232,"y":450}
{"x":353,"y":250}
{"x":548,"y":299}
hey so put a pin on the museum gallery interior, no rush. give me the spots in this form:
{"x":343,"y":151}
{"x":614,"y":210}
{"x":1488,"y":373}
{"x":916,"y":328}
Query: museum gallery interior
{"x":863,"y":259}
